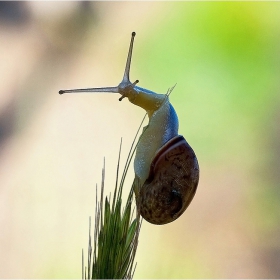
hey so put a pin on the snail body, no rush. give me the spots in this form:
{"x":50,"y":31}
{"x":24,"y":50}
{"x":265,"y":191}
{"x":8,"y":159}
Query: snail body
{"x":154,"y":136}
{"x":166,"y":168}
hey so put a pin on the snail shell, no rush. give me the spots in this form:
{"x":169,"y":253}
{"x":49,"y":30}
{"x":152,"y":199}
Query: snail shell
{"x":171,"y":184}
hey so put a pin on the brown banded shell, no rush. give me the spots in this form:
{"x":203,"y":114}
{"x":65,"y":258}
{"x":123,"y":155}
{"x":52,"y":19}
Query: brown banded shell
{"x":171,"y":184}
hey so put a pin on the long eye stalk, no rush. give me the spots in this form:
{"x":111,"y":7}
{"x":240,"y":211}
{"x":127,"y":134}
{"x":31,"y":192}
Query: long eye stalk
{"x":128,"y":61}
{"x":125,"y":83}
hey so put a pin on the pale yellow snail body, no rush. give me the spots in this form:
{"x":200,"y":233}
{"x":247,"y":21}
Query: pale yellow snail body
{"x":166,"y":167}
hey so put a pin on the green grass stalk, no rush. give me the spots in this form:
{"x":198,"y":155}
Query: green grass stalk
{"x":116,"y":230}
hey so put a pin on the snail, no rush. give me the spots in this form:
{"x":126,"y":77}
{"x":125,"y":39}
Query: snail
{"x":166,"y":168}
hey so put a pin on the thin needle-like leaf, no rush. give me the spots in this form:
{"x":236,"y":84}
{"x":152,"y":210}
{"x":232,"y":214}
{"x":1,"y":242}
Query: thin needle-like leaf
{"x":116,"y":229}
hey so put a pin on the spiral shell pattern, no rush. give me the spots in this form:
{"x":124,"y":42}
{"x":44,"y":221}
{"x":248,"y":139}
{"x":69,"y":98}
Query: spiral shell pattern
{"x":171,"y":184}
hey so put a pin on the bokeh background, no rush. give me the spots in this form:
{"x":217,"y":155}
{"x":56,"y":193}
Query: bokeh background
{"x":225,"y":59}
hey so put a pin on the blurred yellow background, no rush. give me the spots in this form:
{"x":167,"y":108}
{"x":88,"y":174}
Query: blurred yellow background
{"x":225,"y":59}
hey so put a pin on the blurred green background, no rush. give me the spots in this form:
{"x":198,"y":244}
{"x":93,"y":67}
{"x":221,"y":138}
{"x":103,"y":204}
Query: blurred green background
{"x":225,"y":59}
